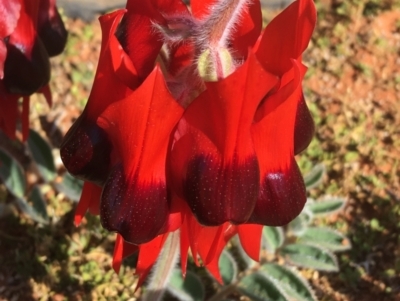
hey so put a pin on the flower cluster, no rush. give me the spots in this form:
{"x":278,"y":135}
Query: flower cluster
{"x":31,"y":31}
{"x":193,"y":122}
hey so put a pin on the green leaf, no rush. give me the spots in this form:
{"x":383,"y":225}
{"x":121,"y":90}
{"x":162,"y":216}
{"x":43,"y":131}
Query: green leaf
{"x":290,"y":281}
{"x":272,"y":238}
{"x":42,"y":156}
{"x":310,"y":256}
{"x":327,"y":206}
{"x":38,"y":203}
{"x":70,"y":186}
{"x":188,"y":289}
{"x":301,"y":222}
{"x":228,"y":267}
{"x":37,"y":211}
{"x":12,"y":174}
{"x":325,"y":237}
{"x":259,"y":286}
{"x":315,"y":176}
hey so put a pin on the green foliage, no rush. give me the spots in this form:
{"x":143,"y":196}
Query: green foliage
{"x":12,"y":175}
{"x":42,"y":156}
{"x":70,"y":186}
{"x":189,"y":288}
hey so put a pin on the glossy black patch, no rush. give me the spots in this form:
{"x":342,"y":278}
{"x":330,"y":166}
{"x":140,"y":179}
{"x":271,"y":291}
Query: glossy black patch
{"x":282,"y":197}
{"x":23,"y":75}
{"x":85,"y":151}
{"x":304,"y":127}
{"x":136,"y":210}
{"x":217,"y":194}
{"x":53,"y":34}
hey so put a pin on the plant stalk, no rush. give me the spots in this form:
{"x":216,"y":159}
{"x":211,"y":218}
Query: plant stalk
{"x":162,"y":271}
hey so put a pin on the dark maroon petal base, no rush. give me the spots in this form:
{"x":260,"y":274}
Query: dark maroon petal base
{"x":282,"y":198}
{"x":304,"y":127}
{"x":53,"y":34}
{"x":135,"y":210}
{"x":23,"y":75}
{"x":217,"y":193}
{"x":85,"y":151}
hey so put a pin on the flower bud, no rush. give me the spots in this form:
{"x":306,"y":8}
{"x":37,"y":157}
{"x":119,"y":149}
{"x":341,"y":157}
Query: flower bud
{"x":214,"y":64}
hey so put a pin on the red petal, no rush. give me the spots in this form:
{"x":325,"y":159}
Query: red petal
{"x":282,"y":192}
{"x":8,"y":112}
{"x":90,"y":195}
{"x":304,"y":127}
{"x":228,"y":231}
{"x":3,"y":55}
{"x":287,"y":36}
{"x":248,"y":29}
{"x":214,"y":152}
{"x":201,"y":8}
{"x":47,"y":95}
{"x":25,"y":118}
{"x":113,"y":61}
{"x":148,"y":254}
{"x":122,"y":249}
{"x":85,"y":150}
{"x":9,"y":15}
{"x":250,"y":239}
{"x":143,"y":43}
{"x":134,"y":201}
{"x":24,"y":34}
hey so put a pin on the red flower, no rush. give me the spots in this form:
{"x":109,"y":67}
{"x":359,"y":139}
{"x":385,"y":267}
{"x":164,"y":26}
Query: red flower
{"x":194,"y":127}
{"x":30,"y":32}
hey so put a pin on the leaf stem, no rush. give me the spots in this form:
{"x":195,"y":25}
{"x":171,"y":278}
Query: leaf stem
{"x":163,"y":268}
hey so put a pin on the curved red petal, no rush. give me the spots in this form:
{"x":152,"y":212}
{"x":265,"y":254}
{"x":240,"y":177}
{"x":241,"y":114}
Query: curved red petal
{"x":304,"y":126}
{"x":287,"y":36}
{"x":148,"y":254}
{"x":122,"y":249}
{"x":250,"y":239}
{"x":248,"y":29}
{"x":134,"y":200}
{"x":212,"y":265}
{"x":90,"y":195}
{"x":214,"y":151}
{"x":282,"y":192}
{"x":201,"y":8}
{"x":9,"y":15}
{"x":47,"y":94}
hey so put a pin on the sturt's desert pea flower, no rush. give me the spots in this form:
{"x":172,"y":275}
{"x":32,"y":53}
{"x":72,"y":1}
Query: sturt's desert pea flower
{"x":193,"y":122}
{"x":31,"y":31}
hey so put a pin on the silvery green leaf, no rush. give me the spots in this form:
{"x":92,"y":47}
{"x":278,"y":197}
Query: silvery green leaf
{"x":301,"y":222}
{"x":189,"y":288}
{"x":227,"y":267}
{"x":70,"y":186}
{"x":310,"y":256}
{"x":12,"y":174}
{"x":42,"y":156}
{"x":259,"y":286}
{"x":327,"y":206}
{"x":290,"y":281}
{"x":315,"y":176}
{"x":272,"y":238}
{"x":326,"y":238}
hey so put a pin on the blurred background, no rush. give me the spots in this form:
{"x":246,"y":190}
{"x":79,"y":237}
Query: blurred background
{"x":353,"y":90}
